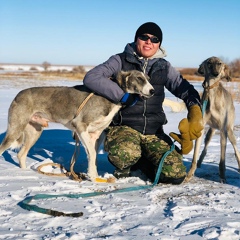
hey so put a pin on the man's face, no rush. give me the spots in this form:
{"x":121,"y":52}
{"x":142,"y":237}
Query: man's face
{"x":146,"y":48}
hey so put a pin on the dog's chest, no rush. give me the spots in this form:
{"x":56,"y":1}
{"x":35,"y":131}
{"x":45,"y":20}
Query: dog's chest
{"x":103,"y":122}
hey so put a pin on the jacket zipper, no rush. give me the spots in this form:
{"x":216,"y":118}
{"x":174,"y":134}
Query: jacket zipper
{"x":145,"y":101}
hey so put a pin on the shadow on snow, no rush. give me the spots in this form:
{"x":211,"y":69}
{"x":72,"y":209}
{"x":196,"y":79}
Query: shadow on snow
{"x":58,"y":145}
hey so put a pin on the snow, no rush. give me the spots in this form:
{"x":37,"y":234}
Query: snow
{"x":200,"y":209}
{"x":38,"y":67}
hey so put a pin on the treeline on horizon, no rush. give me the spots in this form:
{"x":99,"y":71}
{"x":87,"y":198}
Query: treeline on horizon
{"x":234,"y":67}
{"x":79,"y":71}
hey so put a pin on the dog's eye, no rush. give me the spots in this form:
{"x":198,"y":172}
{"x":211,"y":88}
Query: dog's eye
{"x":140,"y":79}
{"x":209,"y":64}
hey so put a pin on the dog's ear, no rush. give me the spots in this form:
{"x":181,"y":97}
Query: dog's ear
{"x":201,"y":69}
{"x":227,"y":73}
{"x":122,"y":79}
{"x":125,"y":74}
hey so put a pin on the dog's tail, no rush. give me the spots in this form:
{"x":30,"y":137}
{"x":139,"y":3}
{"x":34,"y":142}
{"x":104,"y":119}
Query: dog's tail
{"x":175,"y":106}
{"x":7,"y":144}
{"x":17,"y":144}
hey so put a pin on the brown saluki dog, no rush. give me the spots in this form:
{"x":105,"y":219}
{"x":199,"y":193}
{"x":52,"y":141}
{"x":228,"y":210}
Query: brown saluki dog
{"x":33,"y":108}
{"x":219,"y":114}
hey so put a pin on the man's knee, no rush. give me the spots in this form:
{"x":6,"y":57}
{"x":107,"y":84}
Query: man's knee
{"x":173,"y":166}
{"x":123,"y":146}
{"x":124,"y":154}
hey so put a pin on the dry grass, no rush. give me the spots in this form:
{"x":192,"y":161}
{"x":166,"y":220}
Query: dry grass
{"x":200,"y":78}
{"x":189,"y":74}
{"x":43,"y":75}
{"x":67,"y":75}
{"x":193,"y":77}
{"x":234,"y":89}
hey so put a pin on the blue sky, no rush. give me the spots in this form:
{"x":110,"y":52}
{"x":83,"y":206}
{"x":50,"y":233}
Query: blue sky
{"x":77,"y":32}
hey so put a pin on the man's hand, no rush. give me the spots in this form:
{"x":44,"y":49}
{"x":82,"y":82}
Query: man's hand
{"x":129,"y":99}
{"x":184,"y":137}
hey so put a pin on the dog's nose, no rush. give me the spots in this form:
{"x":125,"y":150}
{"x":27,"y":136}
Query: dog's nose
{"x":152,"y":91}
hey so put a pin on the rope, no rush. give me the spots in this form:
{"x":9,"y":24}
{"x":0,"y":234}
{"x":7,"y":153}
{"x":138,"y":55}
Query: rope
{"x":25,"y":204}
{"x":77,"y":177}
{"x":39,"y":169}
{"x":83,"y":103}
{"x":73,"y":160}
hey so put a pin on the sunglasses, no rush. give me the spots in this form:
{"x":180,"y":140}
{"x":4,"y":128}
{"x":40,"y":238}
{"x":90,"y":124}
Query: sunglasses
{"x":144,"y":37}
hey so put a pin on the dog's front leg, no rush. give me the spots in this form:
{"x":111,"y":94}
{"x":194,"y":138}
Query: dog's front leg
{"x":222,"y":167}
{"x":89,"y":145}
{"x":207,"y":140}
{"x":195,"y":157}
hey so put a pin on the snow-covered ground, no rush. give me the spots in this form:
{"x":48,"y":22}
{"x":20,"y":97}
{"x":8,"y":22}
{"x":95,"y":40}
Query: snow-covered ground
{"x":201,"y":209}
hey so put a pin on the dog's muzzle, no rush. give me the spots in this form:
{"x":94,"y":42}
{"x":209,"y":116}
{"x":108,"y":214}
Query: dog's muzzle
{"x":152,"y":91}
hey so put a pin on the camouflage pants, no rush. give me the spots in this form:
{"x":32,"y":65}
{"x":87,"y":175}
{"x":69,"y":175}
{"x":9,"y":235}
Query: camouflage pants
{"x":127,"y":147}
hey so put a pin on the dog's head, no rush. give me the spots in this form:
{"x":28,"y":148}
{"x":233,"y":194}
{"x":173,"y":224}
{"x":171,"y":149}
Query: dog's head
{"x":214,"y":68}
{"x":135,"y":82}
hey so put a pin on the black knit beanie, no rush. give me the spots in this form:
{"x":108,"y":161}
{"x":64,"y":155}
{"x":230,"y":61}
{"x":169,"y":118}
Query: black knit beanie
{"x":150,"y":28}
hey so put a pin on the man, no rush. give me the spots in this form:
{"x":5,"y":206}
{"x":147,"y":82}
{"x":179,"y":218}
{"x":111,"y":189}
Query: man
{"x":136,"y":139}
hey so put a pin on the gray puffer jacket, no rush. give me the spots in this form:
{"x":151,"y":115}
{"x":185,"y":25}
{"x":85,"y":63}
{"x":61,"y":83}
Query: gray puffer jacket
{"x":147,"y":116}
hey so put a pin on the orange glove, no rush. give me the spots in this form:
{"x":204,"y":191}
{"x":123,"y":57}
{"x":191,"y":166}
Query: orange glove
{"x":184,"y":137}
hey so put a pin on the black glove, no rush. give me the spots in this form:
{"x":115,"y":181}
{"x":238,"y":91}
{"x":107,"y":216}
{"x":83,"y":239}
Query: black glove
{"x":129,"y":99}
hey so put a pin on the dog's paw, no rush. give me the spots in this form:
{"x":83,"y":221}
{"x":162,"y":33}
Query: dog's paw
{"x":187,"y":178}
{"x":105,"y":180}
{"x":111,"y":180}
{"x":223,"y":180}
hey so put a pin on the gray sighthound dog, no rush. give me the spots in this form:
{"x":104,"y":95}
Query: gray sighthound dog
{"x":219,"y":114}
{"x":33,"y":108}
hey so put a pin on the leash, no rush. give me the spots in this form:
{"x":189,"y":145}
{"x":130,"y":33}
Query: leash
{"x":204,"y":106}
{"x":25,"y":204}
{"x":205,"y":97}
